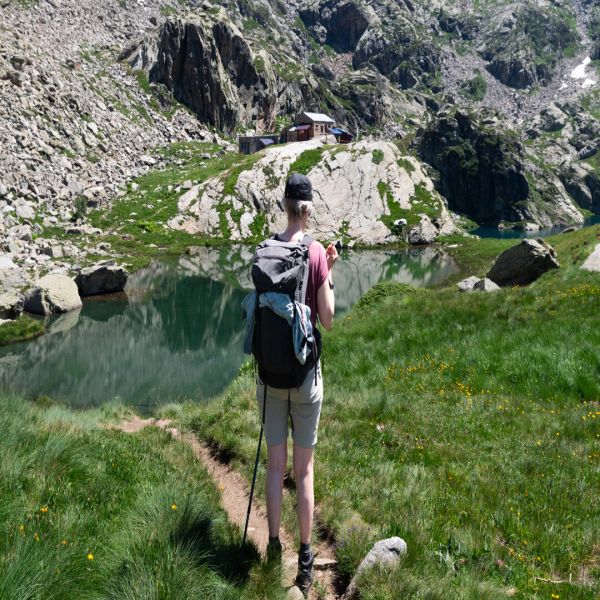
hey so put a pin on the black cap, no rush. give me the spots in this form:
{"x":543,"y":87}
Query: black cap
{"x":298,"y":187}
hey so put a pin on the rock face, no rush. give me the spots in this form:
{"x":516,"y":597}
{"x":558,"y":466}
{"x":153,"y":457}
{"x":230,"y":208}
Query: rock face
{"x":483,"y":173}
{"x":386,"y":553}
{"x":53,"y":294}
{"x":524,"y":43}
{"x":355,"y":188}
{"x":212,"y":70}
{"x":592,"y":262}
{"x":523,"y":263}
{"x":340,"y":24}
{"x":11,"y":304}
{"x":101,"y":279}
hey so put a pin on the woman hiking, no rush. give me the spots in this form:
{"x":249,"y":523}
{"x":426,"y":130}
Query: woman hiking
{"x":302,"y":404}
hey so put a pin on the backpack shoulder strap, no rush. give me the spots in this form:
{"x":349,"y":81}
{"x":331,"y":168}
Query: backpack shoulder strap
{"x":306,"y":241}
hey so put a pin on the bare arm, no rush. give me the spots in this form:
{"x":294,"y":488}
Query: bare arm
{"x":326,"y":304}
{"x":325,"y":295}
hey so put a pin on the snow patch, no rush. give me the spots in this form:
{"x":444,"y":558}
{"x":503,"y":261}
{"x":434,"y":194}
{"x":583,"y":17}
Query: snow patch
{"x":579,"y":72}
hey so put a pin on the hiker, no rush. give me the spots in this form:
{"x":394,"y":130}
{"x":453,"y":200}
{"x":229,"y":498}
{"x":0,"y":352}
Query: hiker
{"x":297,"y":403}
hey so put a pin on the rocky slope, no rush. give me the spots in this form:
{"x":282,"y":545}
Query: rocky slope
{"x":360,"y":190}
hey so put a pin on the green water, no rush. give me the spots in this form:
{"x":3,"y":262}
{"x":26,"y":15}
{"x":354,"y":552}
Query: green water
{"x":177,"y":333}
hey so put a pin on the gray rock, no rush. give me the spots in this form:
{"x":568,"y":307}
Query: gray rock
{"x":101,"y":279}
{"x":523,"y":263}
{"x":468,"y":284}
{"x":24,"y":210}
{"x":386,"y":553}
{"x":423,"y":233}
{"x":53,"y":293}
{"x":592,"y":262}
{"x":294,"y":593}
{"x":486,"y":285}
{"x":11,"y":304}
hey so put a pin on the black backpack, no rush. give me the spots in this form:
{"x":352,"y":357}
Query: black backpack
{"x":281,"y":267}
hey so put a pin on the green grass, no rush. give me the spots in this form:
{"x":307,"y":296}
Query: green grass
{"x":377,"y":156}
{"x":89,"y":512}
{"x":422,"y":202}
{"x":23,"y":328}
{"x":135,"y":225}
{"x":468,"y":424}
{"x":307,"y":160}
{"x":475,"y":88}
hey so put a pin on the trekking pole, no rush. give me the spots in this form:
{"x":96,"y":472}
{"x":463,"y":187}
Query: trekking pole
{"x":255,"y":465}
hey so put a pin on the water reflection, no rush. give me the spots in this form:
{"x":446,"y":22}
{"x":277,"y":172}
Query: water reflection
{"x":177,"y":333}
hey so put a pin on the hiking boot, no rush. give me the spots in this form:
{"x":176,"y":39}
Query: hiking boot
{"x":305,"y":575}
{"x":274,"y":550}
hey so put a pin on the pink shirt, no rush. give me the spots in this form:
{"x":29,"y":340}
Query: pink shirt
{"x":317,"y":274}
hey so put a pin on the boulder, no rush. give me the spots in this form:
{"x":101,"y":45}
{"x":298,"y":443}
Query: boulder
{"x":53,"y":293}
{"x":468,"y":284}
{"x":103,"y":278}
{"x":523,"y":263}
{"x":386,"y":553}
{"x":423,"y":233}
{"x":592,"y":262}
{"x":11,"y":304}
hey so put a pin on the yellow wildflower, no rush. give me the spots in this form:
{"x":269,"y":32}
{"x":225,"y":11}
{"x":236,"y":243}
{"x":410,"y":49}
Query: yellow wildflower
{"x":173,"y":506}
{"x":90,"y":556}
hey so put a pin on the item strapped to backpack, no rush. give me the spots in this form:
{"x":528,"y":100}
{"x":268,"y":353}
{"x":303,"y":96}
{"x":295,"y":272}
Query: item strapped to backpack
{"x":279,"y":343}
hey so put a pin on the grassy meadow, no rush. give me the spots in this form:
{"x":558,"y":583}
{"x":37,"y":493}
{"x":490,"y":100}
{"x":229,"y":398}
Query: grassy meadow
{"x":468,"y":424}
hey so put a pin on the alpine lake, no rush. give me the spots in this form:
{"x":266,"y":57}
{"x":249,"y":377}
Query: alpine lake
{"x":176,"y":333}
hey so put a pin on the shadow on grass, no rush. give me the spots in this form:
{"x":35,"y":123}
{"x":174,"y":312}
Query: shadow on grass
{"x":228,"y":557}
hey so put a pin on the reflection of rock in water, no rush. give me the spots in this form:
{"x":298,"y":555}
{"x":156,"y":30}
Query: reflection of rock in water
{"x":63,"y":322}
{"x":185,"y":343}
{"x":356,"y":273}
{"x":104,"y":308}
{"x":229,"y":264}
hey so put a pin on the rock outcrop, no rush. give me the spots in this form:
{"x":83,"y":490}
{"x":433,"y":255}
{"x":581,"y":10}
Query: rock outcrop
{"x":484,"y":173}
{"x":355,"y":189}
{"x":523,"y":263}
{"x":212,"y":70}
{"x":103,"y":278}
{"x":53,"y":293}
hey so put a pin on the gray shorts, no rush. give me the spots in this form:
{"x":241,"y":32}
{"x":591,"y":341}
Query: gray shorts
{"x":304,"y":408}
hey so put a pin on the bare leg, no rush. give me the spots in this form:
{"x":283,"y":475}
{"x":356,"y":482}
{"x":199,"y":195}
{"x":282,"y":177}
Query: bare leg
{"x":305,"y":497}
{"x":276,"y":464}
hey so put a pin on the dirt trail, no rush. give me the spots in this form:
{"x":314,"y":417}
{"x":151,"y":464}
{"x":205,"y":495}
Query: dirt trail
{"x":234,"y":500}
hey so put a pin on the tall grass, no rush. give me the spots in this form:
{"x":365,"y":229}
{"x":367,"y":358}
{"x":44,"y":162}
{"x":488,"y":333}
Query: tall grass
{"x":87,"y":512}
